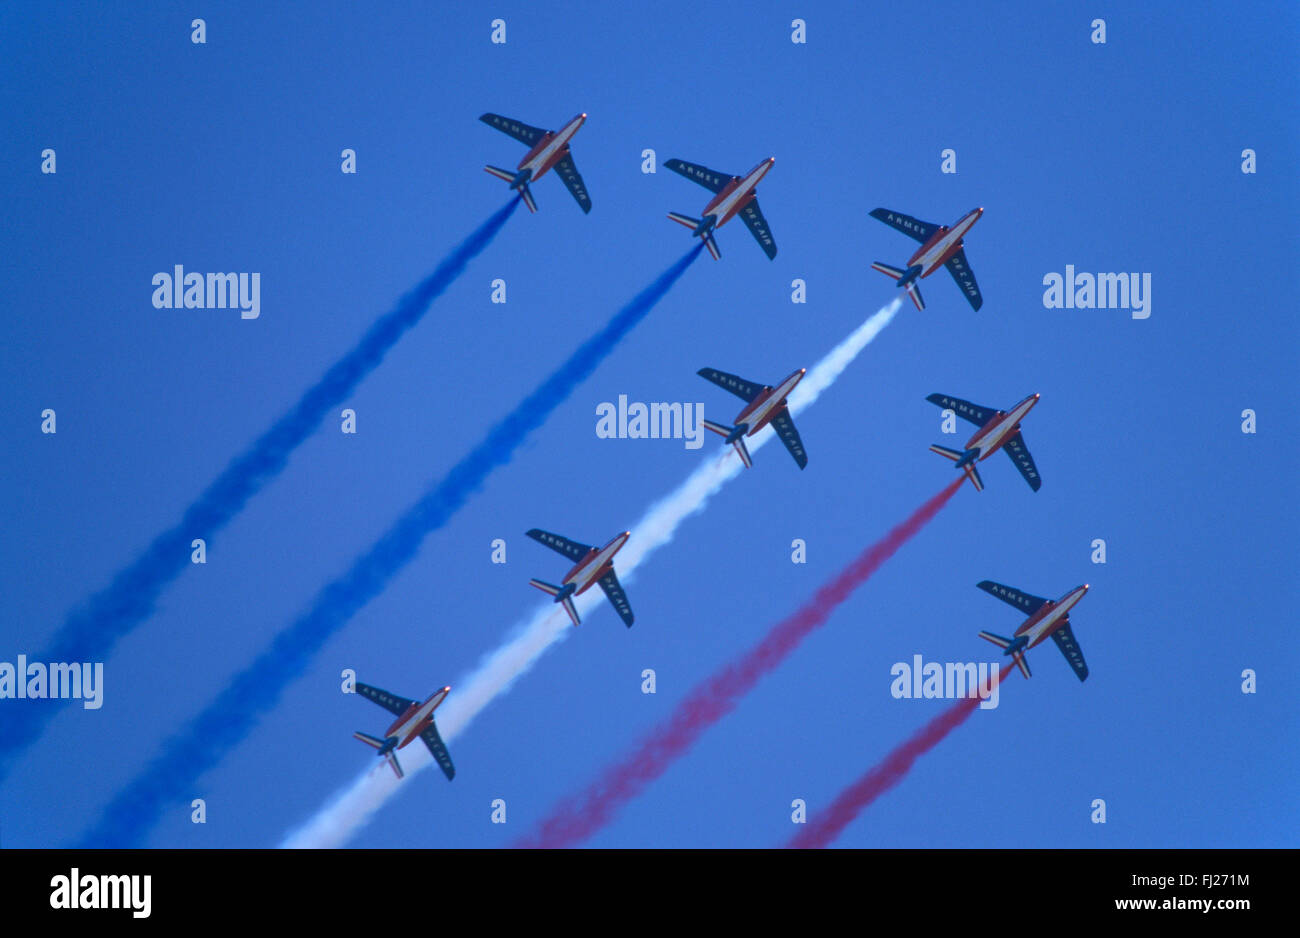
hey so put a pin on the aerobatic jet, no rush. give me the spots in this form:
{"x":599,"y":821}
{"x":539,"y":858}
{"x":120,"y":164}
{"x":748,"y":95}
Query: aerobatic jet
{"x":592,"y":566}
{"x":764,"y":405}
{"x":941,"y":246}
{"x":548,"y":149}
{"x":732,"y":195}
{"x":998,"y":429}
{"x":414,"y":719}
{"x":1045,"y":618}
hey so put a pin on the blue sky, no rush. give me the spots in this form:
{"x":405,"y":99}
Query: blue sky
{"x":225,"y":156}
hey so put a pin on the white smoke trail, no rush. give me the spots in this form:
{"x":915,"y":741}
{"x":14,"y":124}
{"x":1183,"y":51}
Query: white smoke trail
{"x":352,"y":808}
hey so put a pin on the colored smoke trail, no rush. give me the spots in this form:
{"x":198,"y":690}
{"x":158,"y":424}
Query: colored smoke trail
{"x":825,"y":828}
{"x":352,"y":808}
{"x":578,"y":818}
{"x":90,"y":631}
{"x":234,"y":713}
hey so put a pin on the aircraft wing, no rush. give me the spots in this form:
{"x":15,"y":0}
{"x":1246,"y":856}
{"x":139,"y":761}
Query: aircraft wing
{"x":965,"y":278}
{"x":520,"y":131}
{"x":569,"y":175}
{"x":745,"y":390}
{"x":1023,"y":601}
{"x":710,"y":179}
{"x":783,"y":424}
{"x":1070,"y":648}
{"x":561,"y":545}
{"x":757,"y":225}
{"x":965,"y":409}
{"x":390,"y":702}
{"x":912,"y":227}
{"x":614,"y":590}
{"x":439,"y":750}
{"x":1019,"y":453}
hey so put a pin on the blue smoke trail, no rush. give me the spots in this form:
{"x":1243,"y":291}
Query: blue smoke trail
{"x":171,"y":777}
{"x":90,"y":632}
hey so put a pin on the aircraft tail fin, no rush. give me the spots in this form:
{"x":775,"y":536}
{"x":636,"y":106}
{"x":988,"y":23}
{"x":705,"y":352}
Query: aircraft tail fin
{"x":957,"y":455}
{"x":376,"y":743}
{"x":553,"y":590}
{"x":914,"y":293}
{"x":696,"y":225}
{"x":722,"y":430}
{"x":909,"y":282}
{"x":1018,"y":656}
{"x":517,"y":181}
{"x":526,"y":194}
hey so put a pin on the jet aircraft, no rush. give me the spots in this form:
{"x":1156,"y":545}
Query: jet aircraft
{"x":414,"y":719}
{"x":763,"y":405}
{"x":941,"y":246}
{"x":732,"y":195}
{"x":548,"y":149}
{"x":1046,"y":617}
{"x":592,"y":566}
{"x":998,"y":429}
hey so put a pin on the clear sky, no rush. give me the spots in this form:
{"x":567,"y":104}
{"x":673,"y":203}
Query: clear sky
{"x":1123,"y":156}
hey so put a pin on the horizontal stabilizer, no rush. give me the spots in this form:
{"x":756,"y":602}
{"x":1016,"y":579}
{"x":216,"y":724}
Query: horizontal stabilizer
{"x":553,"y":590}
{"x":712,"y":245}
{"x":373,"y":741}
{"x":974,"y":475}
{"x":1021,"y":663}
{"x":721,"y":429}
{"x":743,"y":451}
{"x":545,"y":587}
{"x":502,"y":174}
{"x":526,"y":194}
{"x":688,"y":221}
{"x":914,"y":292}
{"x":953,"y":454}
{"x":885,"y":269}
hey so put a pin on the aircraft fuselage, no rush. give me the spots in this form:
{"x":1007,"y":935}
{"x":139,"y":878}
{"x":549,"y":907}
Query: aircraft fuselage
{"x":551,"y":148}
{"x":1050,"y":618}
{"x":943,"y":244}
{"x":736,"y":194}
{"x":599,"y":561}
{"x":416,"y":719}
{"x":989,"y":438}
{"x":760,"y":411}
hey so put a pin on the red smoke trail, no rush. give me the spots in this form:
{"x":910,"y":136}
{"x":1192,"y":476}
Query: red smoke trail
{"x":886,"y":774}
{"x":578,"y":818}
